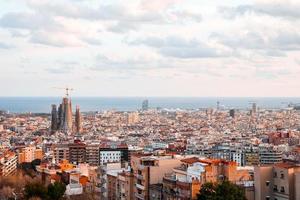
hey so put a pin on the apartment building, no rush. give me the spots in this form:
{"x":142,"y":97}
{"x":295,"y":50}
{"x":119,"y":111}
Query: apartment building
{"x":125,"y":185}
{"x":60,"y":152}
{"x":8,"y":163}
{"x":185,"y":180}
{"x":77,"y":152}
{"x":149,"y":170}
{"x":92,"y":154}
{"x":269,"y":155}
{"x":110,"y":152}
{"x":30,"y":153}
{"x":279,"y":181}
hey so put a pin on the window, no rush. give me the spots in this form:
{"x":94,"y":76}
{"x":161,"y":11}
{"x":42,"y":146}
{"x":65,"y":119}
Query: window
{"x":267,"y":197}
{"x":282,"y":176}
{"x":267,"y":183}
{"x":275,"y":188}
{"x":282,"y":189}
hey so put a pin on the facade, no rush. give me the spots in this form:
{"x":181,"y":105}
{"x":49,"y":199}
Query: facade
{"x":8,"y":163}
{"x":125,"y":185}
{"x":28,"y":154}
{"x":61,"y":152}
{"x":77,"y":152}
{"x":111,"y":152}
{"x":185,"y":180}
{"x":92,"y":154}
{"x":277,"y":182}
{"x":149,"y":170}
{"x":269,"y":155}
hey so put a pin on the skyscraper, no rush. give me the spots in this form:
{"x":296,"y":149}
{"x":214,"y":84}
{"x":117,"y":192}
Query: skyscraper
{"x":254,"y":108}
{"x":78,"y":126}
{"x":145,"y":105}
{"x":232,"y":113}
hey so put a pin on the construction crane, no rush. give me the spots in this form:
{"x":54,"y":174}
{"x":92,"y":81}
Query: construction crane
{"x":67,"y":89}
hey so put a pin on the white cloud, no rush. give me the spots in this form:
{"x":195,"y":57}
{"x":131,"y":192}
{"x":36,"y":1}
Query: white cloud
{"x":170,"y":47}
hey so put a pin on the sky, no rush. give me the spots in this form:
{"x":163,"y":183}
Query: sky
{"x":150,"y":48}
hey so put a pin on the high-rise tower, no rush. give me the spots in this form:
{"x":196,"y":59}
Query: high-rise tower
{"x":145,"y":105}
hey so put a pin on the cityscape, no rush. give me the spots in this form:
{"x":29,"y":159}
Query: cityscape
{"x":175,"y":116}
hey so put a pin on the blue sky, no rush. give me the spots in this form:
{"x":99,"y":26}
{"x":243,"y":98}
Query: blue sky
{"x":150,"y":48}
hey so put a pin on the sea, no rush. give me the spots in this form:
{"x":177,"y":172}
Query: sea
{"x":43,"y":104}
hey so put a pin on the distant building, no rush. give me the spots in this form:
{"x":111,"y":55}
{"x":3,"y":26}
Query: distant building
{"x":77,"y":153}
{"x":30,"y":153}
{"x":111,"y":152}
{"x":254,"y":108}
{"x":269,"y":155}
{"x":132,"y":118}
{"x":62,"y":118}
{"x":145,"y":105}
{"x":54,"y":118}
{"x":232,"y":113}
{"x":78,"y":125}
{"x":60,"y":152}
{"x":92,"y":154}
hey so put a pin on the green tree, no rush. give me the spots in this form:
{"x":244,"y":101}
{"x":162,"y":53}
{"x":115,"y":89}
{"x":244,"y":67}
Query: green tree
{"x":221,"y":191}
{"x":35,"y":189}
{"x":56,"y":190}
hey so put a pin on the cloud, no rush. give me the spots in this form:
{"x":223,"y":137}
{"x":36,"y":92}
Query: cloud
{"x":281,"y":8}
{"x":60,"y":70}
{"x":6,"y":46}
{"x":178,"y":47}
{"x":26,"y":20}
{"x":158,"y":5}
{"x":273,"y":45}
{"x":57,"y":39}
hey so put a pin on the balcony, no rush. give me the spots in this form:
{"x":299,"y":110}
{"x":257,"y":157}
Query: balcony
{"x":141,"y":187}
{"x":139,"y":196}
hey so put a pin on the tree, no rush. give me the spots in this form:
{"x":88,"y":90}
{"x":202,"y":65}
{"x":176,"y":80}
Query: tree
{"x":35,"y":189}
{"x":221,"y":191}
{"x":56,"y":190}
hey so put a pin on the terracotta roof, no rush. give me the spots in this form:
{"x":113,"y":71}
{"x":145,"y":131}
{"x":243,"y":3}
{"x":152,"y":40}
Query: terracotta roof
{"x":190,"y":160}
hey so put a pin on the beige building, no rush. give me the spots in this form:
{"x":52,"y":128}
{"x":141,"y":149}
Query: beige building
{"x":30,"y":153}
{"x":149,"y":170}
{"x":133,"y":118}
{"x":276,"y":182}
{"x":125,"y":186}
